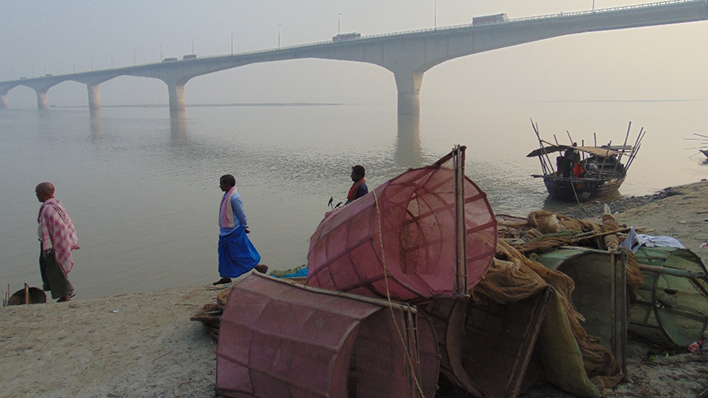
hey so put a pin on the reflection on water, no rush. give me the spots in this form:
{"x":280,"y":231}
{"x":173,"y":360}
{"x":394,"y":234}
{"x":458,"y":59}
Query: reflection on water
{"x":143,"y":192}
{"x":96,"y":124}
{"x":409,"y":152}
{"x":178,"y":127}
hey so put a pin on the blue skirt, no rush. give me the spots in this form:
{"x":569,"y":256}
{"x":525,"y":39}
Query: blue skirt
{"x":237,"y":255}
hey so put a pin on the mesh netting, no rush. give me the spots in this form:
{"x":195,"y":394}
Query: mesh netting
{"x":407,"y":226}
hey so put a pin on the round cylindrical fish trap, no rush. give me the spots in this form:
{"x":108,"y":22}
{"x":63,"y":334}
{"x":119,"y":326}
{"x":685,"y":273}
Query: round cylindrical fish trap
{"x":408,"y":238}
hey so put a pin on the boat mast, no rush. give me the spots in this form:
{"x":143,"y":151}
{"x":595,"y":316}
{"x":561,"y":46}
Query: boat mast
{"x":540,"y":144}
{"x":637,"y":145}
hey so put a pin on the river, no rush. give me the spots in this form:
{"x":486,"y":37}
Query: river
{"x":143,"y":192}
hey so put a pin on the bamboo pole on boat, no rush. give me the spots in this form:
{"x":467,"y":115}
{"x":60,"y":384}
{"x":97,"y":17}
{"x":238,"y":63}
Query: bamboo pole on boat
{"x":572,"y":185}
{"x":619,"y":158}
{"x":594,"y":139}
{"x":569,"y":137}
{"x":632,"y":160}
{"x":540,"y":144}
{"x":626,"y":137}
{"x":638,"y":145}
{"x":636,"y":142}
{"x":635,"y":148}
{"x":604,"y":159}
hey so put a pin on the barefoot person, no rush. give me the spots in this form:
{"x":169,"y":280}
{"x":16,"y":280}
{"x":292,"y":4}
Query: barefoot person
{"x":237,"y":255}
{"x":57,"y":238}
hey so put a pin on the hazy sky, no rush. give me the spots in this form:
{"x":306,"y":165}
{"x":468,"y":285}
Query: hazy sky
{"x":664,"y":62}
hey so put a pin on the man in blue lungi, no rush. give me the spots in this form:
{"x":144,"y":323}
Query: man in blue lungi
{"x":237,"y":255}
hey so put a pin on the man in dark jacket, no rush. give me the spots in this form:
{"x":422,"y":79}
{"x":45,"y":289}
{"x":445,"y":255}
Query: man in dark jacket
{"x":359,"y":187}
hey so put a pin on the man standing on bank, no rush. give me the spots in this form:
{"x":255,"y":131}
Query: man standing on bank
{"x":237,"y":255}
{"x":57,"y":238}
{"x":359,"y":187}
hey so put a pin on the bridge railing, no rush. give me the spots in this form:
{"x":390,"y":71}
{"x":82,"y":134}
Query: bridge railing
{"x":561,"y":14}
{"x":603,"y":10}
{"x":381,"y":35}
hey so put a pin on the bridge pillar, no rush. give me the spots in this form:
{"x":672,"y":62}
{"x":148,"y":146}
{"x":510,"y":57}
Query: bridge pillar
{"x":408,"y":85}
{"x":42,"y":99}
{"x":4,"y":104}
{"x":176,"y":97}
{"x":94,"y":96}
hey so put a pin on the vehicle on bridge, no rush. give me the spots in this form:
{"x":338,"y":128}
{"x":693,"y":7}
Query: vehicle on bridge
{"x":346,"y":37}
{"x":189,"y":56}
{"x":489,"y":19}
{"x":170,"y":59}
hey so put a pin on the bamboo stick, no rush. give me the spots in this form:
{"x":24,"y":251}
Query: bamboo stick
{"x":635,"y":149}
{"x":540,"y":144}
{"x":621,"y":230}
{"x":625,"y":141}
{"x":642,"y":133}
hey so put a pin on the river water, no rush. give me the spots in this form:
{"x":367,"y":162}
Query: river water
{"x":142,"y":188}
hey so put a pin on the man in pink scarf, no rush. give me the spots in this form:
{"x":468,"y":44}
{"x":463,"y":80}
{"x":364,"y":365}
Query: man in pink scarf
{"x":57,"y":238}
{"x":237,"y":255}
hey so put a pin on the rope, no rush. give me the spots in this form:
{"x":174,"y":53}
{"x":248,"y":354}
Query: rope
{"x":388,"y":297}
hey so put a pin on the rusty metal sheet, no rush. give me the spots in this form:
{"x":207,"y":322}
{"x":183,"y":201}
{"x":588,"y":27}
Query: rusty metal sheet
{"x":279,"y":339}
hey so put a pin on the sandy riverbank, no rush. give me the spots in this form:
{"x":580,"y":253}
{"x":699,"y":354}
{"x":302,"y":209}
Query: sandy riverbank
{"x":143,"y":345}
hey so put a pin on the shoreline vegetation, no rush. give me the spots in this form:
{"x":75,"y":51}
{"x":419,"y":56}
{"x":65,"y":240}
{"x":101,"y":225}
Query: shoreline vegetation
{"x":144,"y":345}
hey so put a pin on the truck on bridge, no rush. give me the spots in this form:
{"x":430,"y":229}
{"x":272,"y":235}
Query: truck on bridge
{"x":489,"y":19}
{"x":346,"y":37}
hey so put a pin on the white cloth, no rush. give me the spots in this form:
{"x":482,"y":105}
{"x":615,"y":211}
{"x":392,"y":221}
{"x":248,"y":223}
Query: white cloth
{"x":635,"y":241}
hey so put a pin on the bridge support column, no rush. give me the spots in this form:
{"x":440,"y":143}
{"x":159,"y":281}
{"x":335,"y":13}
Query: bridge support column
{"x":176,"y":98}
{"x":408,"y":85}
{"x":4,"y":104}
{"x":42,"y":100}
{"x":94,"y":96}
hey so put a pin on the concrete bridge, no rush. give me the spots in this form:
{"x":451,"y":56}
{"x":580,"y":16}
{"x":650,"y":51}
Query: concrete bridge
{"x":407,"y":54}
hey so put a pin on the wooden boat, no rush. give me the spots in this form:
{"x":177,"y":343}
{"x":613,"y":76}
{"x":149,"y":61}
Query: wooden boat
{"x":703,"y":142}
{"x":580,"y":173}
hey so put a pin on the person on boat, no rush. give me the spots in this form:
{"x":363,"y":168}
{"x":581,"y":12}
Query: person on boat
{"x":359,"y":187}
{"x":237,"y":255}
{"x":572,"y":154}
{"x":563,"y":166}
{"x":578,"y":170}
{"x":566,"y":164}
{"x":57,"y":237}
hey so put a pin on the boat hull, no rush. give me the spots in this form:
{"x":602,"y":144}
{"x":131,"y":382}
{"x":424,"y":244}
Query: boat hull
{"x":580,"y":189}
